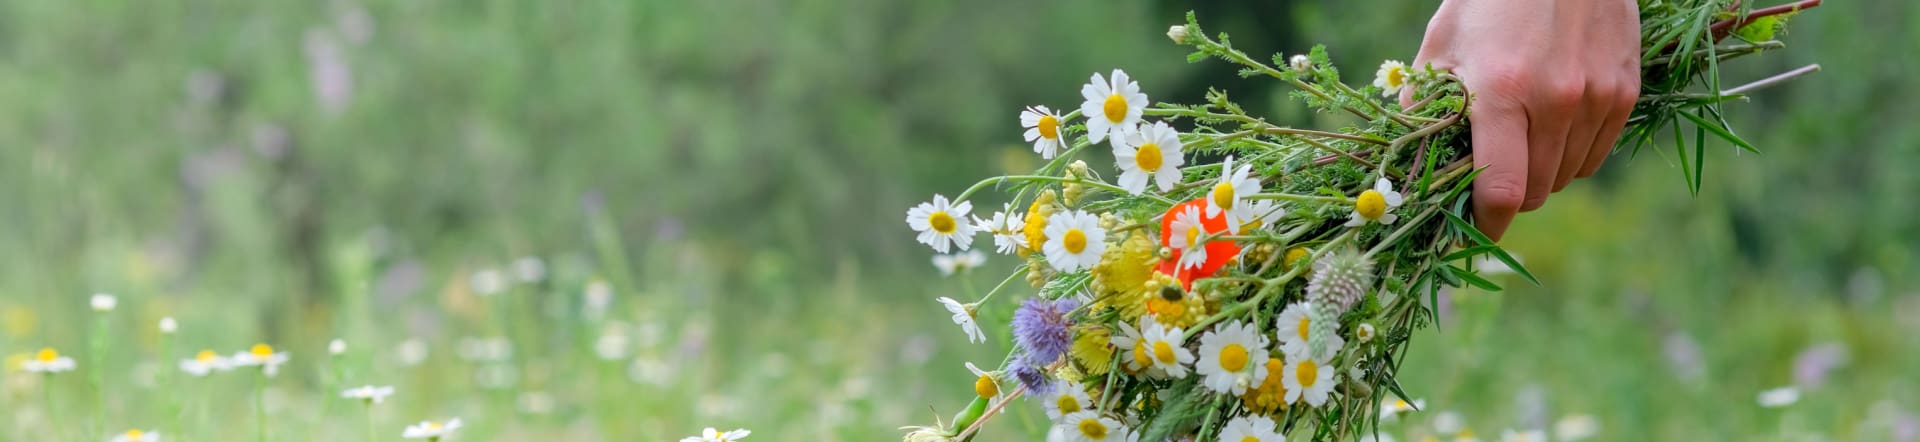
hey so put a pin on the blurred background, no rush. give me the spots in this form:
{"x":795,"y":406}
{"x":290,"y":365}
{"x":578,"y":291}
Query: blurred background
{"x":628,"y":220}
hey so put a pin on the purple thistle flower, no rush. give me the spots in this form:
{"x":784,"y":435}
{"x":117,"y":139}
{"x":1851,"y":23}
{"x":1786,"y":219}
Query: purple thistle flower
{"x":1028,"y":373}
{"x":1042,"y":329}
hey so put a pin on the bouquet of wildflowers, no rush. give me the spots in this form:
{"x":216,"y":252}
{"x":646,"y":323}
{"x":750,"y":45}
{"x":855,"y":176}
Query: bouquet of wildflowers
{"x":1232,"y":279}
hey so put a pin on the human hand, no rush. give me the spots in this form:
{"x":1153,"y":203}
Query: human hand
{"x":1552,"y":85}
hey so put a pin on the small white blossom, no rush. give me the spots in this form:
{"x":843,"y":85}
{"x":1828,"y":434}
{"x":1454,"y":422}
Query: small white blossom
{"x":103,"y":302}
{"x":431,"y":429}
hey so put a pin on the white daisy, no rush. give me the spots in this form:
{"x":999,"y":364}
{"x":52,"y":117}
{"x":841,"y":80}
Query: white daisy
{"x":1394,"y":408}
{"x":1168,"y":353}
{"x":1779,"y":397}
{"x":1074,"y":240}
{"x":1152,"y":150}
{"x":1375,"y":205}
{"x":261,"y":355}
{"x":135,"y":435}
{"x":1233,"y":357}
{"x":985,"y":383}
{"x":1576,"y":427}
{"x":205,"y":362}
{"x":1043,"y":130}
{"x":712,"y":435}
{"x":1006,"y":228}
{"x":431,"y":430}
{"x":1448,"y":423}
{"x":1263,"y":213}
{"x":1067,"y":398}
{"x":963,"y":316}
{"x":1254,"y":428}
{"x":1364,"y":333}
{"x":370,"y":394}
{"x":959,"y":262}
{"x":1090,"y":426}
{"x":1113,"y":106}
{"x":1294,"y":326}
{"x":336,"y":347}
{"x":941,"y":224}
{"x":103,"y":302}
{"x":487,"y":282}
{"x":1391,"y":77}
{"x":1229,"y":193}
{"x":1186,"y":223}
{"x":168,"y":325}
{"x":1133,"y":347}
{"x":48,"y":361}
{"x":1307,"y":379}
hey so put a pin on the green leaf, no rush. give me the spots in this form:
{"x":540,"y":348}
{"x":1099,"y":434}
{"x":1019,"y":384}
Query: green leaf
{"x":1721,"y":132}
{"x":1472,"y":279}
{"x":1498,"y":253}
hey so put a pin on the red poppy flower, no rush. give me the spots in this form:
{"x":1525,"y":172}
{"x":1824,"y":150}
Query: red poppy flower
{"x":1219,"y":252}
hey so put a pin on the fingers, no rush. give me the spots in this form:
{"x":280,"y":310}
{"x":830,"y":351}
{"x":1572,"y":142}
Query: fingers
{"x":1549,"y":119}
{"x":1500,"y":150}
{"x":1591,"y":115}
{"x":1620,"y":108}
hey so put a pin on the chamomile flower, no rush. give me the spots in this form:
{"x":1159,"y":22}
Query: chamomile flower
{"x":959,"y":262}
{"x":431,"y":430}
{"x":1113,"y":106}
{"x":1153,"y":150}
{"x":1006,"y":229}
{"x":1187,"y":227}
{"x":261,"y":355}
{"x":1300,"y":62}
{"x":1166,"y":350}
{"x":1376,"y":204}
{"x":48,"y":361}
{"x":963,"y":316}
{"x":1074,"y":240}
{"x":1295,"y":325}
{"x":368,"y":393}
{"x":1775,"y":398}
{"x":1090,"y":426}
{"x":135,"y":435}
{"x":712,"y":435}
{"x":1067,"y":398}
{"x":1396,"y":407}
{"x":102,"y":302}
{"x":1231,"y":357}
{"x":1263,"y":213}
{"x":1391,"y":77}
{"x":168,"y":325}
{"x":985,"y":383}
{"x":1043,"y":130}
{"x":336,"y":347}
{"x":1251,"y":429}
{"x":1308,"y":379}
{"x":1139,"y":358}
{"x":942,"y":225}
{"x":1364,"y":333}
{"x":205,"y":362}
{"x":1229,"y":195}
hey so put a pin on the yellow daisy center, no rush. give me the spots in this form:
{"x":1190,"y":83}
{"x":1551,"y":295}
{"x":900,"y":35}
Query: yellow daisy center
{"x":261,"y":350}
{"x":1233,"y":357}
{"x":1067,"y":404}
{"x":1396,"y":76}
{"x":986,"y":387}
{"x":1140,"y":356}
{"x":1049,"y":127}
{"x":942,"y":222}
{"x":47,"y":355}
{"x":1270,"y":396}
{"x":1147,"y":157}
{"x":1307,"y":374}
{"x":1371,"y":204}
{"x":1304,"y":322}
{"x":205,"y":355}
{"x":1092,"y":428}
{"x":1115,"y":108}
{"x":1164,"y":352}
{"x":1223,"y":195}
{"x":1294,"y":255}
{"x":1075,"y":241}
{"x":1193,"y":237}
{"x":135,"y":434}
{"x":435,"y":426}
{"x":1249,"y":439}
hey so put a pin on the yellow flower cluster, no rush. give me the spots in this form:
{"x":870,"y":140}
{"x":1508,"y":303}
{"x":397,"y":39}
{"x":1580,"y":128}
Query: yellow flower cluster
{"x":1121,"y":279}
{"x":1037,"y":213}
{"x":1170,"y":305}
{"x":1091,"y":348}
{"x":1269,"y":398}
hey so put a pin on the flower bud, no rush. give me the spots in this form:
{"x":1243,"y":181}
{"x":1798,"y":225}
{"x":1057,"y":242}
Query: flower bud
{"x":1300,"y":62}
{"x":1178,"y":33}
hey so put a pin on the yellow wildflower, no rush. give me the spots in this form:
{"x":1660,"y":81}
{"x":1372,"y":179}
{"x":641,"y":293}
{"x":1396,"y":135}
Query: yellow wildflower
{"x":1091,"y":349}
{"x":1036,"y":229}
{"x":1121,"y":277}
{"x":1270,"y":397}
{"x":1170,"y":305}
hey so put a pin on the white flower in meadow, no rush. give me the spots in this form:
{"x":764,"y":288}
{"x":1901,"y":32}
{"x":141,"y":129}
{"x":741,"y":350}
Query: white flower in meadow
{"x":336,"y":347}
{"x":477,"y":349}
{"x":1523,"y":436}
{"x":1254,"y":428}
{"x":135,"y":435}
{"x":487,"y":282}
{"x":1376,"y":204}
{"x":1168,"y":353}
{"x":1006,"y":228}
{"x":712,"y":435}
{"x":205,"y":362}
{"x":1187,"y":225}
{"x":431,"y":429}
{"x":1307,"y":380}
{"x":1576,"y":427}
{"x":959,"y":262}
{"x":599,"y":296}
{"x":1113,"y":106}
{"x":650,"y":371}
{"x":1779,"y":397}
{"x":1043,"y":130}
{"x":985,"y":383}
{"x":1067,"y":398}
{"x":370,"y":394}
{"x":1153,"y":150}
{"x":1300,"y":62}
{"x":1394,"y":408}
{"x":1090,"y":426}
{"x":1391,"y":77}
{"x":942,"y":225}
{"x":1265,"y":212}
{"x":963,"y":316}
{"x":529,"y":269}
{"x":1232,"y":358}
{"x":1295,"y":324}
{"x":48,"y":361}
{"x":103,"y":302}
{"x":1229,"y":194}
{"x":1133,"y":347}
{"x":168,"y":325}
{"x":1364,"y":333}
{"x":261,"y":355}
{"x":1447,"y":423}
{"x":411,"y":352}
{"x":611,"y":345}
{"x":1074,"y":240}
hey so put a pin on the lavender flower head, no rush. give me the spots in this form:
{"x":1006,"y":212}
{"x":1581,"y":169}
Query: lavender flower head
{"x":1042,"y":329}
{"x":1031,"y":375}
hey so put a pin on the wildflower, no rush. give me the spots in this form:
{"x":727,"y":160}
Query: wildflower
{"x":411,"y":352}
{"x":1031,"y":374}
{"x":103,"y":302}
{"x":1123,"y":272}
{"x":1178,"y":33}
{"x":1779,"y":397}
{"x":1308,"y":379}
{"x":529,"y":269}
{"x":1293,"y":257}
{"x":1340,"y":279}
{"x":1074,"y":241}
{"x":1295,"y":325}
{"x":1364,"y":333}
{"x":1172,"y":305}
{"x":1300,"y":62}
{"x":985,"y":383}
{"x":1090,"y":426}
{"x":1037,"y":213}
{"x":1138,"y":357}
{"x":1575,"y":427}
{"x":1091,"y":349}
{"x":963,"y":316}
{"x":1043,"y":130}
{"x":485,"y":349}
{"x":1041,"y":328}
{"x":370,"y":394}
{"x":1229,"y":195}
{"x":263,"y":356}
{"x":487,"y":282}
{"x":941,"y":224}
{"x":1219,"y":253}
{"x":1523,"y":436}
{"x":1067,"y":398}
{"x":336,"y":347}
{"x":1374,"y":205}
{"x":599,"y":296}
{"x":1230,"y":356}
{"x":1270,"y":396}
{"x":1396,"y":407}
{"x":135,"y":435}
{"x":168,"y":325}
{"x":431,"y":430}
{"x":1192,"y":252}
{"x":1449,"y":423}
{"x":1005,"y":227}
{"x":959,"y":262}
{"x":1391,"y":77}
{"x":1262,"y":213}
{"x":205,"y":362}
{"x":1113,"y":106}
{"x":1250,"y":429}
{"x":48,"y":361}
{"x":1151,"y":150}
{"x":1168,"y":353}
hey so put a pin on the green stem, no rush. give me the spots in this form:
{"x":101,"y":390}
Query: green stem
{"x":370,"y":432}
{"x":46,"y":400}
{"x":1003,"y":283}
{"x":1300,"y":198}
{"x":260,"y":405}
{"x":1095,"y":184}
